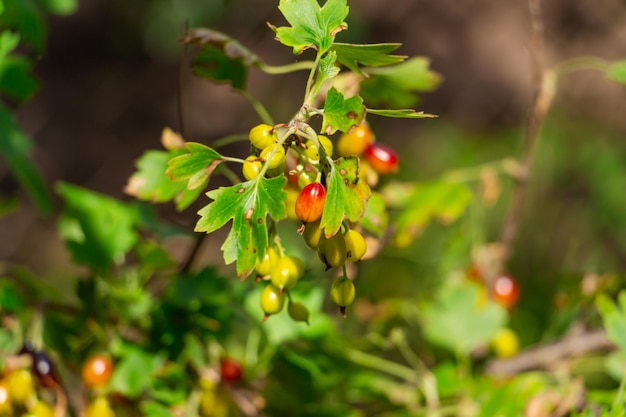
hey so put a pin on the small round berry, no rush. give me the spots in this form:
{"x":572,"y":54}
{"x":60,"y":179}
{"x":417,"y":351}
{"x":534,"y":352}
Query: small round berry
{"x":272,"y":300}
{"x":278,"y":159}
{"x":262,"y":136}
{"x":312,"y":150}
{"x":306,"y":177}
{"x":266,"y":264}
{"x":286,"y":272}
{"x":356,"y":141}
{"x":355,"y":245}
{"x":97,"y":370}
{"x":298,"y":311}
{"x":342,"y":293}
{"x":505,"y":291}
{"x":99,"y":407}
{"x":383,"y":159}
{"x":310,"y":202}
{"x":21,"y":386}
{"x":505,"y":344}
{"x":251,"y":167}
{"x":332,"y":251}
{"x":230,"y":370}
{"x":312,"y":234}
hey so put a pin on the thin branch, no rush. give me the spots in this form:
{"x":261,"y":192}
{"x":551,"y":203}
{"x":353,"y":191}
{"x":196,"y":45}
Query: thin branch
{"x":544,"y":357}
{"x":544,"y":82}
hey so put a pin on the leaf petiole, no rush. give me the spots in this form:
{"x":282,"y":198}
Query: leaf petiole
{"x":287,"y":68}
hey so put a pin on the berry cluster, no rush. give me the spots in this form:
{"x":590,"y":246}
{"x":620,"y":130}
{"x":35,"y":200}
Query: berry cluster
{"x":305,"y":157}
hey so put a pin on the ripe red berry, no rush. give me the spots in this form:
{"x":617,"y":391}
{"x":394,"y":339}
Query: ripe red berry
{"x":230,"y":370}
{"x":505,"y":291}
{"x":383,"y":159}
{"x":310,"y":202}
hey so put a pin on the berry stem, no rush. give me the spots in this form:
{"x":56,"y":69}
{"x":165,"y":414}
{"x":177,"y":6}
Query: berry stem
{"x":287,"y":68}
{"x":258,"y":107}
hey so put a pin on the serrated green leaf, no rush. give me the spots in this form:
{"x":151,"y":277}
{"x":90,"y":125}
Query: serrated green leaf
{"x":194,"y":167}
{"x":340,"y":113}
{"x":617,"y":71}
{"x":328,"y":69}
{"x":312,"y":26}
{"x":346,"y":195}
{"x":397,"y":85}
{"x":446,"y":201}
{"x":401,"y":113}
{"x":374,"y":55}
{"x":248,"y":204}
{"x":213,"y":63}
{"x":98,"y":230}
{"x":15,"y":147}
{"x":457,"y":321}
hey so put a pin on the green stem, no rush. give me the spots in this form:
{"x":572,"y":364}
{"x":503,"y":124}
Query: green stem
{"x":284,"y":69}
{"x":280,"y":142}
{"x":258,"y":107}
{"x":308,"y":96}
{"x":379,"y":364}
{"x":228,"y":140}
{"x":233,"y":159}
{"x":582,"y":63}
{"x":230,"y":175}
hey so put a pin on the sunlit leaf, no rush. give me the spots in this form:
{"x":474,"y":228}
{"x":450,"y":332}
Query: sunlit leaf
{"x":248,"y":204}
{"x":353,"y":55}
{"x":134,"y":372}
{"x":312,"y":26}
{"x":341,"y":113}
{"x":346,"y":195}
{"x":196,"y":166}
{"x":376,"y":218}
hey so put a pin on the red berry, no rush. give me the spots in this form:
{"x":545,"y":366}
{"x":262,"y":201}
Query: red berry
{"x":230,"y":370}
{"x":382,"y":158}
{"x":310,"y":202}
{"x":505,"y":291}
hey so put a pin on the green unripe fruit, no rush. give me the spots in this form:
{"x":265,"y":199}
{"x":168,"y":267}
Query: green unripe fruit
{"x":262,"y":136}
{"x":332,"y":251}
{"x":312,"y":150}
{"x":355,"y":245}
{"x":298,"y":311}
{"x":266,"y":264}
{"x":277,"y":159}
{"x":306,"y":177}
{"x":286,"y":272}
{"x":312,"y":234}
{"x":251,"y":167}
{"x":272,"y":300}
{"x":342,"y":292}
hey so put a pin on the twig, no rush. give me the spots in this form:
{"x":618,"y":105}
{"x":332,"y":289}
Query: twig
{"x":548,"y":355}
{"x":544,"y":81}
{"x":191,"y":257}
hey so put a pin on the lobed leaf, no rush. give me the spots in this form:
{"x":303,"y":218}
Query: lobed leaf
{"x":312,"y":26}
{"x":346,"y":195}
{"x":248,"y":204}
{"x":371,"y":55}
{"x":194,"y":167}
{"x":341,"y":113}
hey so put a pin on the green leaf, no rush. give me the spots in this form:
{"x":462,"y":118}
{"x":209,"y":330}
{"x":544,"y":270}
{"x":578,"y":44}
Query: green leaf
{"x":442,"y":200}
{"x":374,"y":55}
{"x":312,"y":26}
{"x":457,"y":321}
{"x":15,"y":147}
{"x":396,"y":85}
{"x":60,"y":7}
{"x":134,"y":372}
{"x":346,"y":195}
{"x":614,"y":318}
{"x":617,"y":71}
{"x":376,"y":218}
{"x":248,"y":205}
{"x":231,"y":47}
{"x":401,"y":113}
{"x":213,"y":63}
{"x":196,"y":166}
{"x":16,"y":80}
{"x":155,"y":409}
{"x":150,"y":183}
{"x":8,"y":42}
{"x":340,"y":113}
{"x":10,"y":299}
{"x":98,"y":230}
{"x":25,"y":18}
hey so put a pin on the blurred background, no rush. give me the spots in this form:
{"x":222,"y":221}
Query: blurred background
{"x":112,"y":79}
